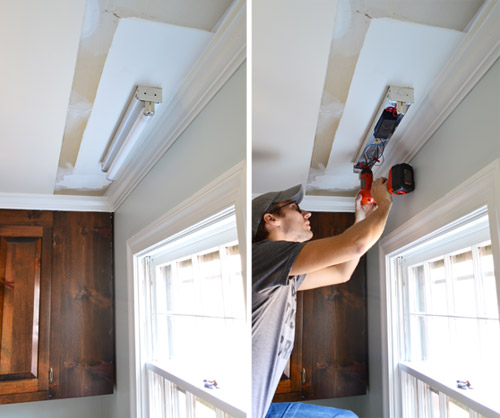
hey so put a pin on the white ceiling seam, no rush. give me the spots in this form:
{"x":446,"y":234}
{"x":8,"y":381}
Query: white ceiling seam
{"x":415,"y":59}
{"x":130,"y":63}
{"x":97,"y":33}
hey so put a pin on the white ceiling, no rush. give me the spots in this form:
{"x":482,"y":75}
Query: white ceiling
{"x":307,"y":134}
{"x":38,"y":49}
{"x":309,"y":67}
{"x":53,"y":57}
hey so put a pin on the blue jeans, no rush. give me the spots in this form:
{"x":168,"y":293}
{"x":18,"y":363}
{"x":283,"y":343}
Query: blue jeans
{"x":302,"y":410}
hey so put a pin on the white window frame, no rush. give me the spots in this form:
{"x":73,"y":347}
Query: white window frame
{"x":227,"y":190}
{"x":482,"y":189}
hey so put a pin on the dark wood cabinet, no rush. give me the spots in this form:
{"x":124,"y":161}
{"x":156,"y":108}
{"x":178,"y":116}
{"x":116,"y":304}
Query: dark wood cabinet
{"x":330,"y":356}
{"x":56,"y":305}
{"x":25,"y":274}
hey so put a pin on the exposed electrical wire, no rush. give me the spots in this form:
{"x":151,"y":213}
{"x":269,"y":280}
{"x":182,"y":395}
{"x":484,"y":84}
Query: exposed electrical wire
{"x":373,"y":153}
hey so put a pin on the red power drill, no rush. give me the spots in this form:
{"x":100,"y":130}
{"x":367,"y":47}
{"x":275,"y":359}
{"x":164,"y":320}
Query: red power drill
{"x":366,"y":177}
{"x":401,"y":181}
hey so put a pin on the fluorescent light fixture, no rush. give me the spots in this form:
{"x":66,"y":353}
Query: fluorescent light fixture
{"x":399,"y":98}
{"x":139,"y":112}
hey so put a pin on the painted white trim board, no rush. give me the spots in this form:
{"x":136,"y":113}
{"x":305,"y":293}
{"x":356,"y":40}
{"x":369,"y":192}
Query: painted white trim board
{"x":54,"y":202}
{"x":328,"y":203}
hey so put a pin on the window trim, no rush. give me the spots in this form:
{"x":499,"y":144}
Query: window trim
{"x":225,"y":191}
{"x":482,"y":189}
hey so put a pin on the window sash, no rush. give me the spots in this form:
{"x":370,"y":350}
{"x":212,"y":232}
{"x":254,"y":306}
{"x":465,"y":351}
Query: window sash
{"x":211,"y":232}
{"x":467,"y":231}
{"x":420,"y":305}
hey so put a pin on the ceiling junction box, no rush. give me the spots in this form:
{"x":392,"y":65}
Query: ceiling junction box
{"x":389,"y":114}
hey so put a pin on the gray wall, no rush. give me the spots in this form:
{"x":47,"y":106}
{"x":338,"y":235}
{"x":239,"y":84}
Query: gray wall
{"x":93,"y":407}
{"x":212,"y":144}
{"x":467,"y":141}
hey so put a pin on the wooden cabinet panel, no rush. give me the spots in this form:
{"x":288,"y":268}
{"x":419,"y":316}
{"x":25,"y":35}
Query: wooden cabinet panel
{"x":82,"y":337}
{"x":56,"y":305}
{"x":25,"y":263}
{"x":333,"y":338}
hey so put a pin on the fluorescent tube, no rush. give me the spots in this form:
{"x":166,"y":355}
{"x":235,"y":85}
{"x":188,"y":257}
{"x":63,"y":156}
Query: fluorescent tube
{"x":139,"y":112}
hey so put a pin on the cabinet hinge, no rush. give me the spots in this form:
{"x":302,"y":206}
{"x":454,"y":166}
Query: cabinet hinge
{"x":51,"y":375}
{"x":303,"y":376}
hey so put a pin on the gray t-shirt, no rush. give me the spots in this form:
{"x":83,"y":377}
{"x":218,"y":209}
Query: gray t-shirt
{"x":274,"y":304}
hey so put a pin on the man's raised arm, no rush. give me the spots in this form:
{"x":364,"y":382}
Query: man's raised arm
{"x":332,"y":260}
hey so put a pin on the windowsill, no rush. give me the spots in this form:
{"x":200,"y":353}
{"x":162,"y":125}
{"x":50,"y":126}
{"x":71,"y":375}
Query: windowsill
{"x":483,"y":398}
{"x":228,"y":398}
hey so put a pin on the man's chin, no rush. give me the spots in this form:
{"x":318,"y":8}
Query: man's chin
{"x":306,"y":237}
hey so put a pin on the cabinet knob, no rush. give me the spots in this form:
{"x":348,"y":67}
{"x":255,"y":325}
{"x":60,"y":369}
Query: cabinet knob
{"x":51,"y":375}
{"x":303,"y":376}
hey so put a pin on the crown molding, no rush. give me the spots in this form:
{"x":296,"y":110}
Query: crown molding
{"x":476,"y":54}
{"x":328,"y":203}
{"x":54,"y":202}
{"x":222,"y":57}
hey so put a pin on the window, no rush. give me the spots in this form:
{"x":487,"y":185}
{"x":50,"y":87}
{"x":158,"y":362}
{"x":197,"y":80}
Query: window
{"x":197,"y":301}
{"x":191,"y":338}
{"x":195,"y":321}
{"x":450,"y":324}
{"x":442,"y":352}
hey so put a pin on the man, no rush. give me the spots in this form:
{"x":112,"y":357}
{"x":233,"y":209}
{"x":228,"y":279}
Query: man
{"x":284,"y":261}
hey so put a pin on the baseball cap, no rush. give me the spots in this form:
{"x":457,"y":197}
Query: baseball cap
{"x":262,"y":203}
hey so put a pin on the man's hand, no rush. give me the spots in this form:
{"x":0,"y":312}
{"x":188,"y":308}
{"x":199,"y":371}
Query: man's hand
{"x":380,"y":193}
{"x":362,"y":211}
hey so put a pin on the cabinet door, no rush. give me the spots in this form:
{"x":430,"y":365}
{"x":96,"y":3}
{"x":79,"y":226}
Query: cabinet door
{"x":25,"y":263}
{"x":332,"y":340}
{"x":82,"y":331}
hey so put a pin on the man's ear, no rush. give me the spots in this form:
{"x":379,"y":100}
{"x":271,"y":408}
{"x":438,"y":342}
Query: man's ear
{"x":269,"y":218}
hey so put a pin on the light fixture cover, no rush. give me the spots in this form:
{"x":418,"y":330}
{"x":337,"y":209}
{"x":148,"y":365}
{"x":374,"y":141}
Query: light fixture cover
{"x":138,"y":113}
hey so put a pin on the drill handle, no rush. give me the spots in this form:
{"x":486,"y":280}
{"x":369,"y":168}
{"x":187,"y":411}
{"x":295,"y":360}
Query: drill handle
{"x":366,"y":178}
